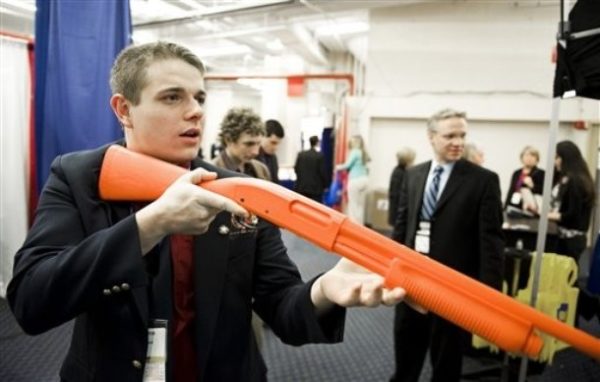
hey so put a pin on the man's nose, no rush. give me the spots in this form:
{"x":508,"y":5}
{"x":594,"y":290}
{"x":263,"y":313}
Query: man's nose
{"x":195,"y":110}
{"x":255,"y":150}
{"x":458,"y":140}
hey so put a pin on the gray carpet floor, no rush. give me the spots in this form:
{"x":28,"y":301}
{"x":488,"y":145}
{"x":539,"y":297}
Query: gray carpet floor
{"x":365,"y":355}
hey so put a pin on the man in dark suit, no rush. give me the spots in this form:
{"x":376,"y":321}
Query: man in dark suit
{"x":184,"y":271}
{"x":451,"y":211}
{"x":311,"y":178}
{"x":274,"y":134}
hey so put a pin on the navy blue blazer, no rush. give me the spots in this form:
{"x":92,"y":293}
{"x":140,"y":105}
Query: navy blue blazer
{"x":82,"y":260}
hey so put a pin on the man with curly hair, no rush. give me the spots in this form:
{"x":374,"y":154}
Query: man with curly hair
{"x":241,"y":133}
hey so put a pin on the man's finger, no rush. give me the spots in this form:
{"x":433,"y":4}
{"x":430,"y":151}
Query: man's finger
{"x":222,"y":203}
{"x":198,"y":175}
{"x":393,"y":296}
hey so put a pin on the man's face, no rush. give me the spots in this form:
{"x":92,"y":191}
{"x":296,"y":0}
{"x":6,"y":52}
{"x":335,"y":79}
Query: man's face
{"x":167,"y":122}
{"x":448,"y":141}
{"x":270,"y":143}
{"x":245,"y":148}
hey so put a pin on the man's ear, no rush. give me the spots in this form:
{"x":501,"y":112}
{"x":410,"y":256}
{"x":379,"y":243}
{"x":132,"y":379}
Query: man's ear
{"x":121,"y":108}
{"x":430,"y":135}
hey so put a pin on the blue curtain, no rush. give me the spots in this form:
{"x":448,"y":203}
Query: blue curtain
{"x":75,"y":45}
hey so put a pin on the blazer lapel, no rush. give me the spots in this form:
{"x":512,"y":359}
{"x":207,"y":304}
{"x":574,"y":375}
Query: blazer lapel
{"x":418,"y":188}
{"x":210,"y":267}
{"x":454,"y":182}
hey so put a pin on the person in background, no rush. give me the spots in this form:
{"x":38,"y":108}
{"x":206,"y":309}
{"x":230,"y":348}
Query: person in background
{"x":268,"y":147}
{"x":572,"y":199}
{"x":405,"y":157}
{"x":528,"y":177}
{"x":451,"y":211}
{"x":185,"y":270}
{"x":240,"y":136}
{"x":474,"y":154}
{"x":358,"y":178}
{"x":311,"y":178}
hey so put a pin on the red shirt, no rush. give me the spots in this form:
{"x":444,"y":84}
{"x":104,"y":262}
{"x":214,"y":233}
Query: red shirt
{"x":184,"y":352}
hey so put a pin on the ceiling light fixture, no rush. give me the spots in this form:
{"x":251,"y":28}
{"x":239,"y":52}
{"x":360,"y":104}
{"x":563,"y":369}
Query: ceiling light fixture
{"x":342,"y":29}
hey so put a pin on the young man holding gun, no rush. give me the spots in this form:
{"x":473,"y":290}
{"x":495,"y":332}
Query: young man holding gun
{"x":165,"y":290}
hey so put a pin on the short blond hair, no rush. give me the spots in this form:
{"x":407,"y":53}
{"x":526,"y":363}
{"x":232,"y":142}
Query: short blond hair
{"x":128,"y":74}
{"x":432,"y":122}
{"x":531,"y":150}
{"x":405,"y":156}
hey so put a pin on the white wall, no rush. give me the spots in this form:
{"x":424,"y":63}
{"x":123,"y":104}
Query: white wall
{"x":491,"y":59}
{"x":501,"y":142}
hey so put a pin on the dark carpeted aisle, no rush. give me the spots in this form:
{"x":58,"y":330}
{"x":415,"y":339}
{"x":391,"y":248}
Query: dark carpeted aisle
{"x":26,"y":358}
{"x":365,"y":355}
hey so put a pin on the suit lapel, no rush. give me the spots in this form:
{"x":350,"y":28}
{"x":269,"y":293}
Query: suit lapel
{"x":454,"y":182}
{"x":210,"y":267}
{"x":418,"y":188}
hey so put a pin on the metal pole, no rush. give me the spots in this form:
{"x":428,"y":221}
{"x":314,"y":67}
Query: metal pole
{"x":543,"y":223}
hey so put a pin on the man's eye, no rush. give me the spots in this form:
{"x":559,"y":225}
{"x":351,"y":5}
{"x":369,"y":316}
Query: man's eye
{"x":200,"y":100}
{"x":172,"y":97}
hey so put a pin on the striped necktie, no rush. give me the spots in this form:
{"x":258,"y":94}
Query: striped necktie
{"x":431,"y":195}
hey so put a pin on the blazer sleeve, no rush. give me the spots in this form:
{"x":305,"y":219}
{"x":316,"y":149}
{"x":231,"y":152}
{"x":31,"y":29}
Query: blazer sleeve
{"x":283,"y":301}
{"x":394,"y":194}
{"x":399,"y":232}
{"x":491,"y":238}
{"x":537,"y":176}
{"x":62,"y":270}
{"x":511,"y":187}
{"x":323,"y":172}
{"x":574,"y":213}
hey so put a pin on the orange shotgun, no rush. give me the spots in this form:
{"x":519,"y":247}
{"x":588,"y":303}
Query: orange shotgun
{"x":477,"y":308}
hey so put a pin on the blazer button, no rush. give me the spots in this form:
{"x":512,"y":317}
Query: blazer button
{"x":106,"y":292}
{"x":137,"y":364}
{"x":223,"y":230}
{"x":116,"y":289}
{"x":125,"y":286}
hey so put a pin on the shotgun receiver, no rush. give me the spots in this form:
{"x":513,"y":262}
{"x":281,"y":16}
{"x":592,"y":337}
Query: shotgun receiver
{"x":477,"y":308}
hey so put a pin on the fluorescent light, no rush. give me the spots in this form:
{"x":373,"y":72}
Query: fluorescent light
{"x":251,"y":82}
{"x":341,"y":29}
{"x":25,"y":5}
{"x":275,"y":44}
{"x":226,"y":50}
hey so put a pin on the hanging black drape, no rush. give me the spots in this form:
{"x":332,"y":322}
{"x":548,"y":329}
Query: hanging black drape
{"x":578,"y":66}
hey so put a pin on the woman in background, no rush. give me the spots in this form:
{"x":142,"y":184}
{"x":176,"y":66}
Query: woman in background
{"x":529,"y":177}
{"x":406,"y":158}
{"x":358,"y":178}
{"x":473,"y":153}
{"x":572,"y":199}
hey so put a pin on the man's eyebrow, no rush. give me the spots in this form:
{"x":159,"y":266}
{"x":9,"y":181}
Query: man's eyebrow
{"x":172,"y":89}
{"x":179,"y":89}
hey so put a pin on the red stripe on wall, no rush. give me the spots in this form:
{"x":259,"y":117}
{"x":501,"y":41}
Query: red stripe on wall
{"x":33,"y":195}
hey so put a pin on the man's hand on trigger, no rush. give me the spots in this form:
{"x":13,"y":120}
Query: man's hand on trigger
{"x":184,"y":208}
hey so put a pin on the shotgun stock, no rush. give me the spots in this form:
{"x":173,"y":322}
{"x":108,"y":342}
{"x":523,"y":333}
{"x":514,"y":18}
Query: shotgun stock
{"x":477,"y":308}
